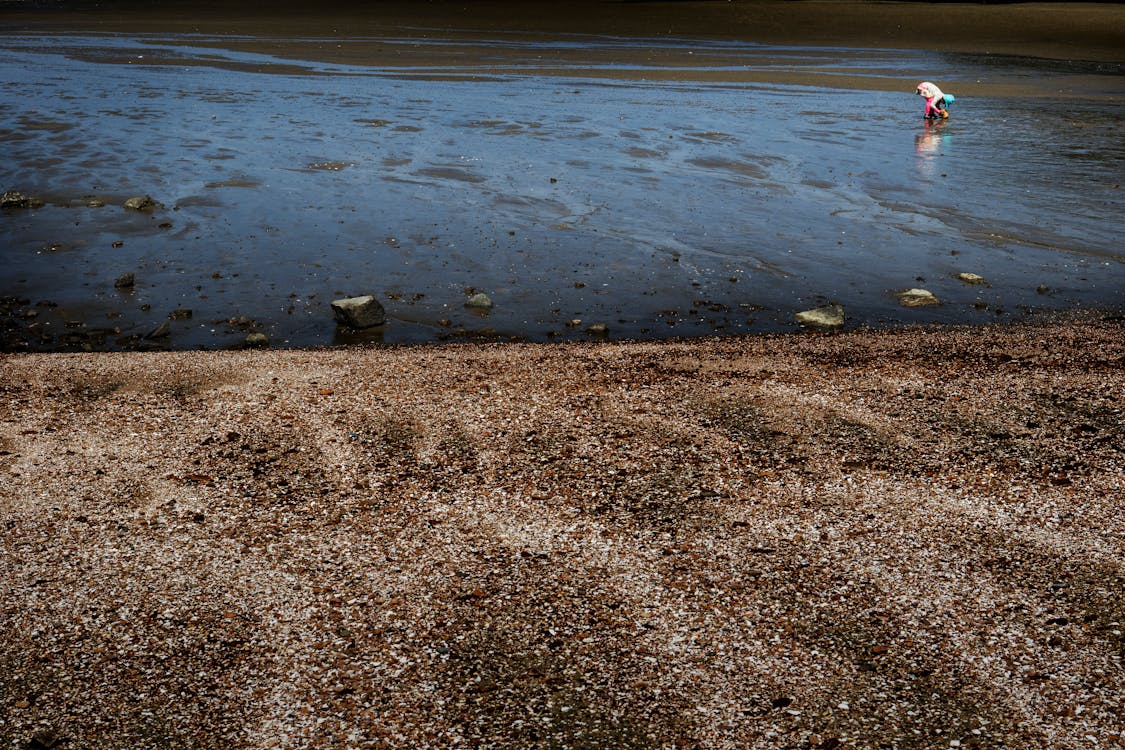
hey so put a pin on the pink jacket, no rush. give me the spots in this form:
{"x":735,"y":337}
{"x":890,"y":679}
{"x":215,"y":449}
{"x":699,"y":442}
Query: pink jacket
{"x":932,"y":94}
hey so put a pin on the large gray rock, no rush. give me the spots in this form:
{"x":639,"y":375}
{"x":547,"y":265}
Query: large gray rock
{"x":829,"y":316}
{"x":359,"y":312}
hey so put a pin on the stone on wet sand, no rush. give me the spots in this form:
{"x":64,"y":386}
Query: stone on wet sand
{"x":479,"y":301}
{"x":829,"y":316}
{"x":141,"y":203}
{"x":16,"y":199}
{"x":13,"y":199}
{"x":359,"y":312}
{"x":971,"y":278}
{"x":257,"y":341}
{"x":240,"y":321}
{"x":917,"y":298}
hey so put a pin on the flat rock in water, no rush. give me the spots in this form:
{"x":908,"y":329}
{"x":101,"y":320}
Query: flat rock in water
{"x":917,"y":298}
{"x":829,"y":316}
{"x":971,"y":278}
{"x":359,"y":312}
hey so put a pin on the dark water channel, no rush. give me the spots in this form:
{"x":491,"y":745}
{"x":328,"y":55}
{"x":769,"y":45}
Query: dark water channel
{"x":659,"y":187}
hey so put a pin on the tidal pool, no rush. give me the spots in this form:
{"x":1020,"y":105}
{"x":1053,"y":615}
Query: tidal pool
{"x":661,"y":187}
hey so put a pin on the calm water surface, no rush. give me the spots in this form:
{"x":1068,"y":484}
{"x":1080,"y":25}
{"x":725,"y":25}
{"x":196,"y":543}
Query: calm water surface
{"x":661,"y":187}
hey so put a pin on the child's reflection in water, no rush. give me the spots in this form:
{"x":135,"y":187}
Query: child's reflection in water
{"x":927,"y":145}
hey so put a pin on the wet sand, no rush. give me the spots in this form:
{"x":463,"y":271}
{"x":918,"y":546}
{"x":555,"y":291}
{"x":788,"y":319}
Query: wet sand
{"x":1083,"y":31}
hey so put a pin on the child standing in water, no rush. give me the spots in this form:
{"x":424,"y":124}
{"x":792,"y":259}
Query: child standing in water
{"x":936,"y":104}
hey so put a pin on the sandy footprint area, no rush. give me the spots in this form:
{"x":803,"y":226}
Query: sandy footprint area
{"x":901,"y":539}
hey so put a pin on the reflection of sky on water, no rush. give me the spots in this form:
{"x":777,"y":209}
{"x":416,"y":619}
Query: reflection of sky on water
{"x":603,"y":198}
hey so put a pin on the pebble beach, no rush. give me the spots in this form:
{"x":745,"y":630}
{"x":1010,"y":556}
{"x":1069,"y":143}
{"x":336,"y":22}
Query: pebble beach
{"x":895,"y":539}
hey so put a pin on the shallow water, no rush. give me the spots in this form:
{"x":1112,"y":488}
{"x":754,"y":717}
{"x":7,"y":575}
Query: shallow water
{"x":661,"y":187}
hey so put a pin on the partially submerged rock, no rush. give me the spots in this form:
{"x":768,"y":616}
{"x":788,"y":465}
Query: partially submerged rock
{"x":142,"y":203}
{"x":917,"y":298}
{"x":829,"y":316}
{"x":479,"y":301}
{"x":257,"y":340}
{"x":161,"y":331}
{"x":971,"y":278}
{"x":125,"y":281}
{"x":359,"y":312}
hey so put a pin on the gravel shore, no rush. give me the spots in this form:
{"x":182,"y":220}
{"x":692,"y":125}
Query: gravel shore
{"x":907,"y":539}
